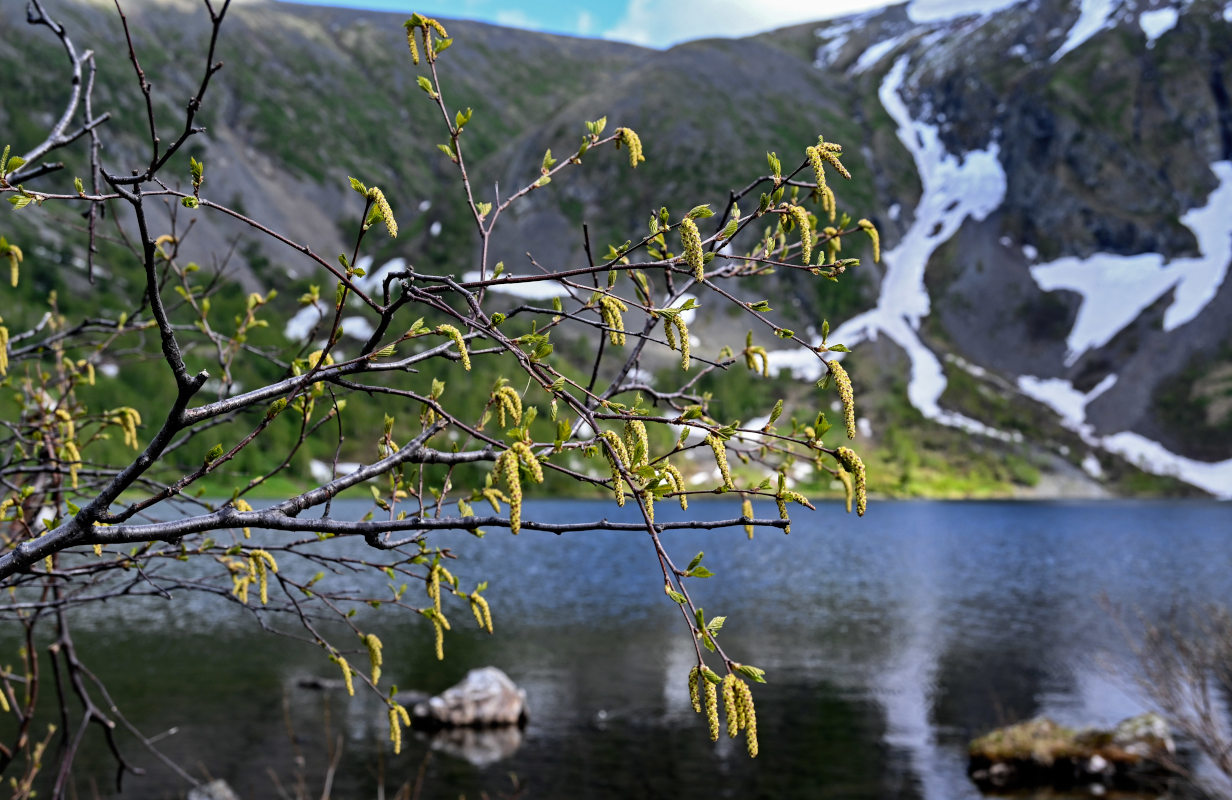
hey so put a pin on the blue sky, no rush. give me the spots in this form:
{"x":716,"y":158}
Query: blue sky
{"x":654,"y":23}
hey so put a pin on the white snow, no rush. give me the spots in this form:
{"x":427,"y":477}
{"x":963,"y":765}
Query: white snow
{"x":939,"y":10}
{"x":953,"y":191}
{"x":109,"y":369}
{"x":894,"y":212}
{"x":870,"y":57}
{"x":424,"y":205}
{"x":1214,"y":477}
{"x":358,"y":328}
{"x":1157,"y":22}
{"x":435,"y":229}
{"x":1030,"y":252}
{"x":1227,"y":13}
{"x":835,"y":39}
{"x":299,"y":326}
{"x":1061,"y":396}
{"x":323,"y":473}
{"x":1116,"y":289}
{"x":545,"y":289}
{"x":689,"y":315}
{"x":1091,"y":466}
{"x":1094,"y":17}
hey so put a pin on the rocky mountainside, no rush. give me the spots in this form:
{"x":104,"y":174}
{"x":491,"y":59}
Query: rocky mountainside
{"x":1053,"y":183}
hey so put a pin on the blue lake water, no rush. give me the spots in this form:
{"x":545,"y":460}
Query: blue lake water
{"x":888,"y":643}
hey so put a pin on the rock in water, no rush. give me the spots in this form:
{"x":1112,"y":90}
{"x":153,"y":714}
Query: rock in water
{"x":486,"y":697}
{"x":1039,"y":752}
{"x":214,"y":790}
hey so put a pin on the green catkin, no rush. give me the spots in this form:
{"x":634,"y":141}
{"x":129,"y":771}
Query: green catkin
{"x":434,"y":588}
{"x":746,"y":510}
{"x":720,"y":459}
{"x":456,"y":335}
{"x":694,"y":697}
{"x":828,"y":202}
{"x":395,"y":730}
{"x":387,"y":214}
{"x":373,"y":643}
{"x":852,"y":463}
{"x":845,"y":394}
{"x":848,"y":487}
{"x":617,"y":456}
{"x":439,"y":641}
{"x":748,"y":716}
{"x":637,"y":442}
{"x":782,"y":505}
{"x":676,"y":480}
{"x":631,"y":140}
{"x":819,"y":173}
{"x":507,"y":470}
{"x":683,"y":334}
{"x":508,"y":400}
{"x":829,"y":152}
{"x":691,"y":243}
{"x":800,"y":217}
{"x":346,"y":675}
{"x":410,"y":42}
{"x":527,"y":457}
{"x":871,"y":230}
{"x":729,"y":705}
{"x":712,"y":710}
{"x":4,"y":350}
{"x":610,"y":309}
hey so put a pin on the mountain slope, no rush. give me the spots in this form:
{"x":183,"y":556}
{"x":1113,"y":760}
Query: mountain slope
{"x":1046,"y":176}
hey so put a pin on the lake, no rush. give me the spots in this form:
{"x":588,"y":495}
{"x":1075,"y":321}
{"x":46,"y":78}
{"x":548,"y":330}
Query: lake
{"x":888,"y":642}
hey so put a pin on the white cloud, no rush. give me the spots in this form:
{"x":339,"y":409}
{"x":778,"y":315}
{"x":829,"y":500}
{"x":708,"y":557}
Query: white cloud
{"x":662,"y":23}
{"x":585,"y":23}
{"x":515,"y":18}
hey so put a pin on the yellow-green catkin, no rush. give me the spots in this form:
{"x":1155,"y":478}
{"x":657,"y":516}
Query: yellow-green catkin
{"x":4,"y":349}
{"x":829,"y":151}
{"x":848,"y":487}
{"x":675,"y":327}
{"x":845,"y":394}
{"x":395,"y":730}
{"x":439,"y":641}
{"x":748,"y":716}
{"x":346,"y":675}
{"x":729,"y":705}
{"x":691,"y":242}
{"x":617,"y":457}
{"x":387,"y":213}
{"x":631,"y":140}
{"x":508,"y":400}
{"x":482,"y":612}
{"x":434,"y":587}
{"x":610,"y":309}
{"x":694,"y":697}
{"x":676,"y":480}
{"x":828,"y":203}
{"x":637,"y":442}
{"x":71,"y":456}
{"x":852,"y":463}
{"x":746,"y":510}
{"x":456,"y":335}
{"x":712,"y":708}
{"x":373,"y":643}
{"x":720,"y":459}
{"x":242,"y":505}
{"x":819,"y":173}
{"x":410,"y":42}
{"x":507,"y":470}
{"x":800,"y":217}
{"x":871,"y":230}
{"x":527,"y":457}
{"x":15,"y":257}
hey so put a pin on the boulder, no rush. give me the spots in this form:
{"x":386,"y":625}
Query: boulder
{"x":485,"y":698}
{"x":1133,"y":755}
{"x":214,"y":790}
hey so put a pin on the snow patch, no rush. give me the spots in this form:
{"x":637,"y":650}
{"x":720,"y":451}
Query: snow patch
{"x":954,"y":189}
{"x":358,"y":328}
{"x":435,"y":229}
{"x":1158,"y":22}
{"x":545,"y":289}
{"x":1091,"y":466}
{"x":424,"y":205}
{"x":940,"y":10}
{"x":1116,"y":289}
{"x":870,"y":57}
{"x":1030,"y":252}
{"x":1094,"y":17}
{"x":299,"y":326}
{"x":1227,"y":13}
{"x":323,"y":473}
{"x":1215,"y":477}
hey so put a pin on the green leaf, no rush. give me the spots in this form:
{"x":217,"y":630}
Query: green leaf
{"x":715,"y":625}
{"x":825,"y":330}
{"x":775,"y":413}
{"x":442,"y":45}
{"x":784,"y":333}
{"x":697,"y":559}
{"x":699,"y":572}
{"x":189,"y":202}
{"x":839,"y":348}
{"x":14,"y":163}
{"x":543,"y":181}
{"x":760,"y":305}
{"x":700,"y":212}
{"x":357,"y":186}
{"x":548,"y":161}
{"x":426,"y":85}
{"x":461,"y":118}
{"x":21,"y":201}
{"x":447,"y":149}
{"x":214,"y":454}
{"x":81,"y":189}
{"x":677,"y":596}
{"x":752,"y":673}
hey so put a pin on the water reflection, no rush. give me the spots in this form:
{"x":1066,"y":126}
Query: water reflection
{"x":889,"y":642}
